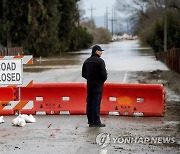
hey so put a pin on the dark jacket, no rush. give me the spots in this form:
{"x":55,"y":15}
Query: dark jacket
{"x":94,"y":70}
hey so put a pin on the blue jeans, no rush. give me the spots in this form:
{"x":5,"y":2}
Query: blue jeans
{"x":94,"y":96}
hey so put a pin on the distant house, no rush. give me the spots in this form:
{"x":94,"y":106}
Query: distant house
{"x":129,"y":37}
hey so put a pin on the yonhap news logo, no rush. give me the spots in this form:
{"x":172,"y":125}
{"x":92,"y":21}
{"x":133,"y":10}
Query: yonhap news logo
{"x":103,"y":140}
{"x":106,"y":139}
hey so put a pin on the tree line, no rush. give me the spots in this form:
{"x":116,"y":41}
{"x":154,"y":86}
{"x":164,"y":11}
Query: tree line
{"x":153,"y":20}
{"x":42,"y":27}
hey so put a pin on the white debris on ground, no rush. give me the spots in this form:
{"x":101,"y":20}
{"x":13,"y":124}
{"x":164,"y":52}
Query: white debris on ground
{"x":22,"y":119}
{"x":28,"y":119}
{"x":1,"y":120}
{"x":18,"y":121}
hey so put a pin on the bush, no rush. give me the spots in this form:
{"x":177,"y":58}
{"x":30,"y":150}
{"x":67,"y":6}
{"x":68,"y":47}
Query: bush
{"x":101,"y":36}
{"x":154,"y":34}
{"x":156,"y":37}
{"x":80,"y":39}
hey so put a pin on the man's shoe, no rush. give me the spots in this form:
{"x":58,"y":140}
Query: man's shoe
{"x":100,"y":125}
{"x":91,"y":125}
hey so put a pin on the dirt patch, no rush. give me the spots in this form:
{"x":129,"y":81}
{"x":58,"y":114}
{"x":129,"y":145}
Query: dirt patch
{"x":169,"y":79}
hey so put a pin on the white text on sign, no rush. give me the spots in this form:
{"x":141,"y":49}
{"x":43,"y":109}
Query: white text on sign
{"x":11,"y":71}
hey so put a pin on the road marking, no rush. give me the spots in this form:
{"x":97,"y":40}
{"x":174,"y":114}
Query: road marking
{"x":125,"y":77}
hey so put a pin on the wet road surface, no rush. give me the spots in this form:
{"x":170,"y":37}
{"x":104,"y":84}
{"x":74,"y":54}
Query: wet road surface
{"x":70,"y":133}
{"x":121,"y":58}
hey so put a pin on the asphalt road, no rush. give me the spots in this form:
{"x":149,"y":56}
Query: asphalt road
{"x":70,"y":133}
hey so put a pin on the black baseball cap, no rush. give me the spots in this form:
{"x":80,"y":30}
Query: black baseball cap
{"x":96,"y":47}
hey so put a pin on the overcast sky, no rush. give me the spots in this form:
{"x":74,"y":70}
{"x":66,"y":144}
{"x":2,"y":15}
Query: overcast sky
{"x":99,"y":10}
{"x":99,"y":7}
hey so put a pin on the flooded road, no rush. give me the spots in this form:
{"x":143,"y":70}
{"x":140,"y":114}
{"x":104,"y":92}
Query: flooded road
{"x":120,"y":58}
{"x":126,"y":62}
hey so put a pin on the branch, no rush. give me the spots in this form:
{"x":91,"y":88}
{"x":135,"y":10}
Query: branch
{"x":137,"y":6}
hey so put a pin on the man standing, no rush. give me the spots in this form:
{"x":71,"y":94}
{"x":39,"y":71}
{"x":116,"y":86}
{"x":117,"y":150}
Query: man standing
{"x":94,"y":70}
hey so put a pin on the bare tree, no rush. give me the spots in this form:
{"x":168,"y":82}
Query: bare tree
{"x":132,"y":7}
{"x":147,"y":13}
{"x":141,"y":7}
{"x":80,"y":6}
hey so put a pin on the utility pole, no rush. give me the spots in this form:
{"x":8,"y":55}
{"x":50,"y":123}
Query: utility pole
{"x":106,"y":18}
{"x":112,"y":22}
{"x":115,"y":22}
{"x":91,"y":9}
{"x":165,"y":26}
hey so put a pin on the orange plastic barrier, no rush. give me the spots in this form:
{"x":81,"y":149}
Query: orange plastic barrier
{"x":56,"y":98}
{"x":70,"y":98}
{"x":133,"y":99}
{"x":4,"y":108}
{"x":16,"y":107}
{"x":7,"y":93}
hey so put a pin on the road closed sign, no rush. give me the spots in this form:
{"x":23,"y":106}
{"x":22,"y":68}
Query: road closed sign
{"x":11,"y":71}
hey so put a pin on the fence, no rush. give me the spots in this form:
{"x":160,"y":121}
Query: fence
{"x":171,"y":58}
{"x":11,"y":51}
